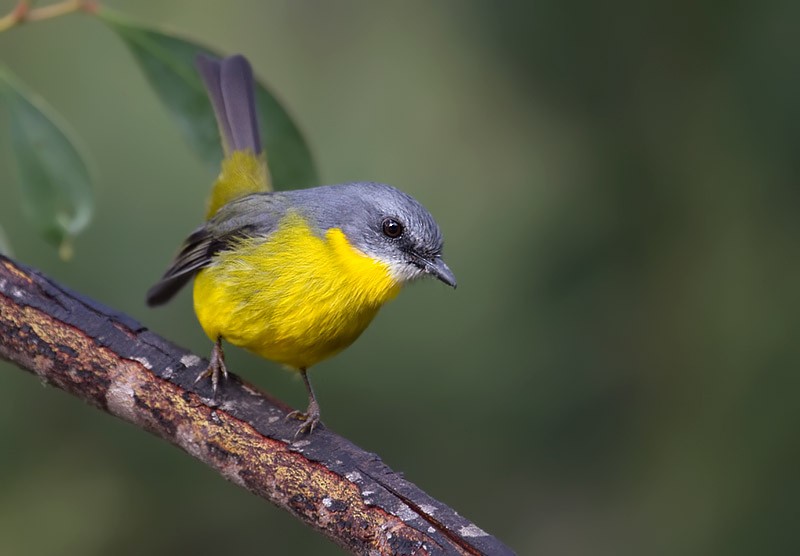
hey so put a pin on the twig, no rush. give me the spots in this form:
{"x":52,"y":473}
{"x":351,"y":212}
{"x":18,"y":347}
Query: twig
{"x":114,"y":363}
{"x":23,"y":13}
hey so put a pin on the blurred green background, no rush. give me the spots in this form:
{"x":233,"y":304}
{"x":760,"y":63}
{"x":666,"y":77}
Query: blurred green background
{"x":618,"y":188}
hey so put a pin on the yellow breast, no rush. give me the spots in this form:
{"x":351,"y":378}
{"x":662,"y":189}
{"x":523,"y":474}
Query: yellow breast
{"x":294,"y":298}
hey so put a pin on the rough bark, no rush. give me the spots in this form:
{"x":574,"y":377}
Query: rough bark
{"x":117,"y":365}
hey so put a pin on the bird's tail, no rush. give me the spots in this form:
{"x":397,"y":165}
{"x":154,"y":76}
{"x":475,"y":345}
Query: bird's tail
{"x":231,"y":89}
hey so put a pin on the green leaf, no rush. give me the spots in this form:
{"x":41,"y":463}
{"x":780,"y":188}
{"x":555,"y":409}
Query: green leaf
{"x":54,"y":177}
{"x":5,"y":245}
{"x":168,"y":63}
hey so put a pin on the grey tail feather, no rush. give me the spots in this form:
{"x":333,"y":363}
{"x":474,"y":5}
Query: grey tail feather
{"x":231,"y":88}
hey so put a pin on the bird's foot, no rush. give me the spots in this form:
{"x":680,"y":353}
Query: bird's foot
{"x":216,"y":366}
{"x":310,"y":419}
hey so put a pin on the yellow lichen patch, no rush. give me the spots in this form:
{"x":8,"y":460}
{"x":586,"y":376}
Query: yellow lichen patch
{"x":17,"y":272}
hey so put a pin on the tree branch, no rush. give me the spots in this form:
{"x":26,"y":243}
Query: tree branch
{"x":114,"y":363}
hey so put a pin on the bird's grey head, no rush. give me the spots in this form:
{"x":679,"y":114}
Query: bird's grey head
{"x":388,"y":225}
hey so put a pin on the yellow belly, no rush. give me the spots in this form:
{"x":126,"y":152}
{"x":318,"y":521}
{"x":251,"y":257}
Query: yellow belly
{"x":296,"y":298}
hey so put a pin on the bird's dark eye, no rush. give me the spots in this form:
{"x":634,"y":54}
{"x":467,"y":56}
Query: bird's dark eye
{"x":392,"y":228}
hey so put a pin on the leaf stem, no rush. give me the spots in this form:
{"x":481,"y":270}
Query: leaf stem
{"x":23,"y":13}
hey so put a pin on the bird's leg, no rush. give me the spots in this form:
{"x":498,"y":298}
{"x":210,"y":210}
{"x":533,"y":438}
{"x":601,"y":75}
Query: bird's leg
{"x":311,"y":416}
{"x":216,"y":365}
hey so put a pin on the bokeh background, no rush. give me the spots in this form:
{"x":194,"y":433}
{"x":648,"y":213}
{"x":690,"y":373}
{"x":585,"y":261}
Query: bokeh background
{"x":618,"y":187}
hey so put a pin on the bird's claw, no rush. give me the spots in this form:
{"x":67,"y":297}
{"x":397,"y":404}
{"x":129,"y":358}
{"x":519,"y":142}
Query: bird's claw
{"x":216,"y":366}
{"x":310,"y":420}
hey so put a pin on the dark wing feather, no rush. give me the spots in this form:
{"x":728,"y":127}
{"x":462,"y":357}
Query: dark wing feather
{"x":251,"y":216}
{"x":197,"y":253}
{"x":193,"y":256}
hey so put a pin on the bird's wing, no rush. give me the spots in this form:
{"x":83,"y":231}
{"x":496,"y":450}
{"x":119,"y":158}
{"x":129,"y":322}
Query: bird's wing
{"x":253,"y":216}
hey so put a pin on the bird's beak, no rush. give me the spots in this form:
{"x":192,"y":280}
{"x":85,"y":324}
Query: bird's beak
{"x":437,"y":267}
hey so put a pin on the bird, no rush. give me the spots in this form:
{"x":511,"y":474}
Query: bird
{"x":293,"y":276}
